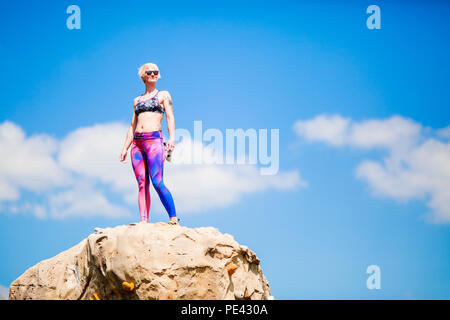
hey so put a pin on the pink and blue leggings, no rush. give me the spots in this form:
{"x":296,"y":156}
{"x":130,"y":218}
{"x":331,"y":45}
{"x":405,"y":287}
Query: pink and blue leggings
{"x":147,"y":158}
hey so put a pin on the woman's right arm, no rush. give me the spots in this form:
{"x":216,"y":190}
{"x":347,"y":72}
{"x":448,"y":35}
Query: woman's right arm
{"x":130,"y":133}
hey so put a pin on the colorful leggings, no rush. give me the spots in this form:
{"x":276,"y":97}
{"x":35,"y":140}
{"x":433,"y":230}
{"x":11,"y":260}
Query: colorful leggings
{"x":147,"y":159}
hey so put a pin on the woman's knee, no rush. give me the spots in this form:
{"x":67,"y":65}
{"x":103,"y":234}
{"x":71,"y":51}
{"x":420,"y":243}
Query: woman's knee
{"x":142,"y":182}
{"x":158,"y":184}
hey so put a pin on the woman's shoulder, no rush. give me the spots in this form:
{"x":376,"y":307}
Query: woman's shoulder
{"x":164,"y":94}
{"x":135,"y":100}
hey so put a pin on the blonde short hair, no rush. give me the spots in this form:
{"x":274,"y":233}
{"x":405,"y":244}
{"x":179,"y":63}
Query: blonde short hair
{"x":149,"y":65}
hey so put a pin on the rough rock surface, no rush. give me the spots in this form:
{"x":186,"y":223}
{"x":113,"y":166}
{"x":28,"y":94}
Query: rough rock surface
{"x":162,"y":261}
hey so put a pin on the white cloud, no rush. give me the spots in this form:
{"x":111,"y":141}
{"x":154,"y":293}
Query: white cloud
{"x":74,"y":174}
{"x":4,"y":293}
{"x":85,"y":201}
{"x":444,"y":132}
{"x":94,"y":152}
{"x":393,"y":133}
{"x":27,"y":163}
{"x":328,"y":129}
{"x":197,"y":188}
{"x":417,"y":165}
{"x":31,"y":164}
{"x":27,"y":207}
{"x":8,"y":191}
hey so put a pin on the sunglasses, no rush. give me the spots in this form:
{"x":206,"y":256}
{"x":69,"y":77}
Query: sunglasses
{"x":152,"y":71}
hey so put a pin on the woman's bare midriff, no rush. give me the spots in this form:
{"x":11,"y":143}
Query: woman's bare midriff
{"x":149,"y":121}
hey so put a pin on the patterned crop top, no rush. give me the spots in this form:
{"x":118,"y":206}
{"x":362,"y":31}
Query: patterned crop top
{"x":149,"y":105}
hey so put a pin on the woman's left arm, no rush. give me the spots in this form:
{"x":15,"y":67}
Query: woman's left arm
{"x":168,"y":107}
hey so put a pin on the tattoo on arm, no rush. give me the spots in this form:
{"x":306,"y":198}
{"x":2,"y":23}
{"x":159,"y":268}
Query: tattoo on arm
{"x":169,"y":102}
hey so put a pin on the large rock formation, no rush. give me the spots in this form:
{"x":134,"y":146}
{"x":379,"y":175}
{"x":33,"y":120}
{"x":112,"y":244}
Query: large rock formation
{"x":148,"y":261}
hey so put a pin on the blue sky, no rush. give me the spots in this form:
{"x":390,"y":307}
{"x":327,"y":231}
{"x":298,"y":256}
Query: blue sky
{"x":363,"y":117}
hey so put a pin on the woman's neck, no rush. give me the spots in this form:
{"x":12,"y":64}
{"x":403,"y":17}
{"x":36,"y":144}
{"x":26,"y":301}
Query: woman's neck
{"x":149,"y":88}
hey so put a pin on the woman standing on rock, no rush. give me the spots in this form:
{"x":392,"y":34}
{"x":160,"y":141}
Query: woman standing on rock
{"x":145,"y":134}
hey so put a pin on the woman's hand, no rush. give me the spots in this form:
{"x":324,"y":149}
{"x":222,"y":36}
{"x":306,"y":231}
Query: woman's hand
{"x":170,"y":144}
{"x":123,"y":156}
